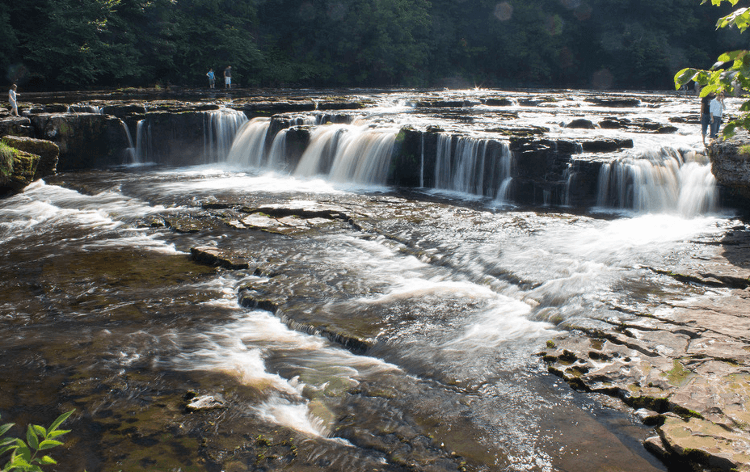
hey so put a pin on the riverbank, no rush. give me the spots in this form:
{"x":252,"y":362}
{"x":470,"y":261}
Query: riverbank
{"x":683,"y":367}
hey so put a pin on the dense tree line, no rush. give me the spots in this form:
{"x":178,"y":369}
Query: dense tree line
{"x":625,"y":44}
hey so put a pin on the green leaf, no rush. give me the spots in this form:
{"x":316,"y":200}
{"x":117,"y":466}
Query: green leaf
{"x":48,"y":460}
{"x":23,"y":450}
{"x":39,"y":430}
{"x":31,"y":438}
{"x":7,"y":448}
{"x":684,"y":76}
{"x":4,"y":428}
{"x":708,"y":89}
{"x":48,"y":444}
{"x":732,"y":55}
{"x":19,"y":462}
{"x":729,"y":129}
{"x":59,"y":432}
{"x":56,"y":424}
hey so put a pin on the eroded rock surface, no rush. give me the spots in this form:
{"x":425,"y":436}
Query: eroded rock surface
{"x":692,"y":366}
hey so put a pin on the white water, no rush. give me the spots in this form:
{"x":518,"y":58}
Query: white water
{"x":348,"y":154}
{"x":453,"y":314}
{"x":221,"y":127}
{"x":661,"y":181}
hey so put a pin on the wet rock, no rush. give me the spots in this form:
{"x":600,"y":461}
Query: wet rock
{"x":17,"y":171}
{"x":706,"y":443}
{"x":47,"y":151}
{"x":216,"y":257}
{"x":440,"y":103}
{"x":85,"y":140}
{"x":614,"y":123}
{"x":730,"y":164}
{"x":16,"y":126}
{"x":691,"y":371}
{"x":647,"y":417}
{"x":581,"y":123}
{"x":645,"y":124}
{"x":206,"y":402}
{"x":615,"y":102}
{"x":498,"y":102}
{"x":606,"y":145}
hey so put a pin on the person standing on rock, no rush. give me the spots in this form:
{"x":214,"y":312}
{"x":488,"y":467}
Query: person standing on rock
{"x":717,"y":110}
{"x":228,"y":77}
{"x":13,"y":100}
{"x":706,"y":114}
{"x":211,"y":78}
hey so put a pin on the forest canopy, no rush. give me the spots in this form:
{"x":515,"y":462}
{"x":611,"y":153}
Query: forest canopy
{"x":605,"y":44}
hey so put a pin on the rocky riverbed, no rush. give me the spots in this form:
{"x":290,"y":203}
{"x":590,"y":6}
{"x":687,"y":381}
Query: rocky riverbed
{"x":127,"y":302}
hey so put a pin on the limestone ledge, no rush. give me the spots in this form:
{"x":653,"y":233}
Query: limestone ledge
{"x":685,"y":368}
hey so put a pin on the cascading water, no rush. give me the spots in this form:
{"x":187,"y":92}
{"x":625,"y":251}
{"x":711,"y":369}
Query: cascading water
{"x":132,"y":150}
{"x":348,"y":153}
{"x":474,"y":166}
{"x":249,"y":146}
{"x":143,"y":140}
{"x":400,"y":332}
{"x":659,"y":181}
{"x":221,"y":127}
{"x":277,"y":153}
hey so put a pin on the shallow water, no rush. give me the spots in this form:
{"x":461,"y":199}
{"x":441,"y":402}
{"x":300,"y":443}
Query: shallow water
{"x":457,"y":299}
{"x":452,"y":296}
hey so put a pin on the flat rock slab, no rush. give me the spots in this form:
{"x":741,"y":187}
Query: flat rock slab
{"x":688,"y":362}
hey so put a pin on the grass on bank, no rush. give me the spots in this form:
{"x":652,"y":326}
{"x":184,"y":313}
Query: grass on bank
{"x":6,"y":161}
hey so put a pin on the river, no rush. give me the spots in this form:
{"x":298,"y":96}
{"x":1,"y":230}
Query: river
{"x":453,"y":289}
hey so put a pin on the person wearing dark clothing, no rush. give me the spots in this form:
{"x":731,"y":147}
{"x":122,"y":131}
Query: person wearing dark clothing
{"x":706,"y":115}
{"x":228,"y":77}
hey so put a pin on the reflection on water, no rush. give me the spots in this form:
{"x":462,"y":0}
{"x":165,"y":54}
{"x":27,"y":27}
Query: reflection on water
{"x":449,"y":294}
{"x":455,"y":301}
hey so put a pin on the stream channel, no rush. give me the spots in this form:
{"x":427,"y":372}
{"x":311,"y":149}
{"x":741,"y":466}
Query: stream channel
{"x":370,"y":328}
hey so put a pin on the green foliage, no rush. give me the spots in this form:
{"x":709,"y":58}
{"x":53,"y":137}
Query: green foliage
{"x":54,"y":44}
{"x":6,"y":162}
{"x":730,"y":73}
{"x":25,"y":455}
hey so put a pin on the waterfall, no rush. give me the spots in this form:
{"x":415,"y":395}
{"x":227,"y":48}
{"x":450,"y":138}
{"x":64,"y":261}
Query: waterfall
{"x":660,"y":181}
{"x":475,"y":166}
{"x":568,"y":176}
{"x":220,"y":128}
{"x":277,"y":153}
{"x":143,"y":142}
{"x":347,"y":153}
{"x":132,"y":155}
{"x":249,"y":146}
{"x":421,"y":163}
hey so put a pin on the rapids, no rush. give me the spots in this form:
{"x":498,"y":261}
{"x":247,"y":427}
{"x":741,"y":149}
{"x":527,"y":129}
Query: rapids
{"x":454,"y":288}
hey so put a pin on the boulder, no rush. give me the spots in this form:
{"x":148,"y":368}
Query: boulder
{"x":16,"y":126}
{"x":47,"y":151}
{"x":730,"y":164}
{"x":17,"y":170}
{"x":85,"y":140}
{"x":581,"y":123}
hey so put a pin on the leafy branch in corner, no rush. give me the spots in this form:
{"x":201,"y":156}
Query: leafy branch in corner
{"x":722,"y":76}
{"x":24,"y":455}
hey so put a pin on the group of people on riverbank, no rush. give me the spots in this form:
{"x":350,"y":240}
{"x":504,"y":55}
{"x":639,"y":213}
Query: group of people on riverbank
{"x":712,"y":110}
{"x":227,"y":78}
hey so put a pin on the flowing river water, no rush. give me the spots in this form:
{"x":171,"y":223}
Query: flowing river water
{"x":455,"y":290}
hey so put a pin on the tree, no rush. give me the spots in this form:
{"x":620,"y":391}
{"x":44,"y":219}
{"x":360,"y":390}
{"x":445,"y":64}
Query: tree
{"x":730,"y":73}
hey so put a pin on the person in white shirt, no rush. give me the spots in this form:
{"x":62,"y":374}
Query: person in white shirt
{"x":716,"y":108}
{"x":13,"y":101}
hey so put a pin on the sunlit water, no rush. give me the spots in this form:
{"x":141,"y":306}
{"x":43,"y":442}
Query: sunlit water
{"x":457,"y":296}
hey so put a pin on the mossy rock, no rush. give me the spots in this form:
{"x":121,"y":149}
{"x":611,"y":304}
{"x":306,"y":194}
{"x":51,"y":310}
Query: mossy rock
{"x":17,"y":171}
{"x":47,"y":151}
